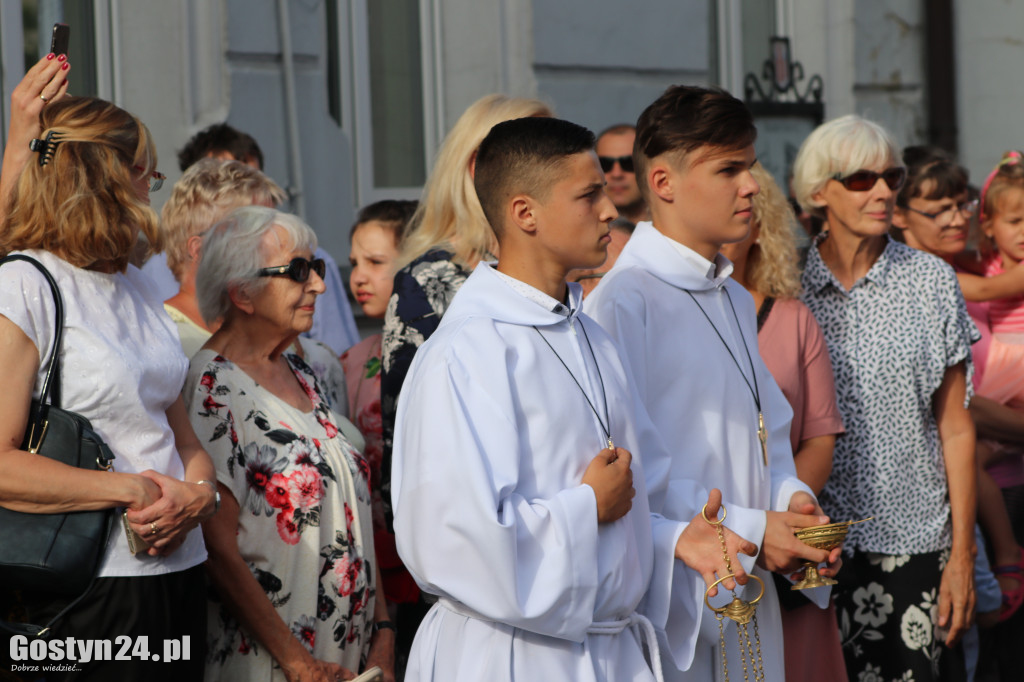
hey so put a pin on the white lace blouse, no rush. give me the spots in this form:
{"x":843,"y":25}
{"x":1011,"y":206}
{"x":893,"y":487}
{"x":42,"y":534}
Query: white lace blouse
{"x":122,"y":368}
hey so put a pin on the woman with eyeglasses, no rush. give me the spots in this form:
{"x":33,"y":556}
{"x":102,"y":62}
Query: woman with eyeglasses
{"x":934,"y":214}
{"x":899,"y":338}
{"x":291,"y":550}
{"x":78,"y":206}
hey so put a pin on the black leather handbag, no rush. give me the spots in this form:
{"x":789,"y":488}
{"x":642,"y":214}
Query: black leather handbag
{"x":55,"y":553}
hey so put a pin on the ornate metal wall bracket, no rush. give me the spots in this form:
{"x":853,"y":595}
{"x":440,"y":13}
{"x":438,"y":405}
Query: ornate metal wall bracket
{"x":781,"y":95}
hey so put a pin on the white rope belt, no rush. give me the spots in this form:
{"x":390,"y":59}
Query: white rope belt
{"x":639,"y":623}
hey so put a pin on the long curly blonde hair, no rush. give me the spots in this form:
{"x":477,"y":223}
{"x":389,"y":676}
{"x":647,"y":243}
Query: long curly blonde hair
{"x":82,"y":205}
{"x":772,"y":264}
{"x":449,"y":214}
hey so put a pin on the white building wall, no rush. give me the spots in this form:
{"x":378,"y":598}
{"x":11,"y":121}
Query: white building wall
{"x":870,"y":54}
{"x":601,"y":66}
{"x":486,"y":47}
{"x":889,"y":72}
{"x":989,"y":81}
{"x":185,"y":65}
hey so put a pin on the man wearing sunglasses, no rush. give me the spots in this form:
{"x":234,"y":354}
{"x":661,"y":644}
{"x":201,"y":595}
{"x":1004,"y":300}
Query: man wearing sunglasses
{"x":615,"y":152}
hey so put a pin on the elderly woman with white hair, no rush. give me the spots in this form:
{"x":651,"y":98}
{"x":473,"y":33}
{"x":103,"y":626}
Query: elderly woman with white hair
{"x":899,"y":338}
{"x":291,"y":548}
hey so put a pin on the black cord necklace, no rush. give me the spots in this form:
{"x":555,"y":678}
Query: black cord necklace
{"x":606,"y":422}
{"x":762,"y":432}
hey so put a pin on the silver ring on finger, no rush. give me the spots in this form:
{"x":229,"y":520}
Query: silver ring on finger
{"x":43,"y":97}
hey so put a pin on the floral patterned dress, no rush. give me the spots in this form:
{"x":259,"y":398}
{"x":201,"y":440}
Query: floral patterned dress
{"x":304,"y":524}
{"x":423,"y":291}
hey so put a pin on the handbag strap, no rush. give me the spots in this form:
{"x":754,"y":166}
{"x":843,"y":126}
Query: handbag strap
{"x":43,"y":631}
{"x":50,"y":390}
{"x":51,"y":383}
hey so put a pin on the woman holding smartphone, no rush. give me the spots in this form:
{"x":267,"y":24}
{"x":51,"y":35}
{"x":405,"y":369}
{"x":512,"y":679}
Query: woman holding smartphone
{"x":78,"y":207}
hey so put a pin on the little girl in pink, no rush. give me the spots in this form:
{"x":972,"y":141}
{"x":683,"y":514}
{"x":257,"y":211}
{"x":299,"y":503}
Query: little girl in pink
{"x":1002,"y":221}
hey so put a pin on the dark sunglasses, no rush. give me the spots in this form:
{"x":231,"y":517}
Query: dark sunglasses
{"x":864,"y":180}
{"x":298,"y":269}
{"x":608,"y":162}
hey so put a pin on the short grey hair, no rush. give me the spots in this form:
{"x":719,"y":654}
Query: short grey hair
{"x":841,"y":146}
{"x":235,"y":249}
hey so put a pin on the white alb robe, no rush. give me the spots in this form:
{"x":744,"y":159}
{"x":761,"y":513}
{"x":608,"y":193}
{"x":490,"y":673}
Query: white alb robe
{"x":493,"y":437}
{"x":704,"y":410}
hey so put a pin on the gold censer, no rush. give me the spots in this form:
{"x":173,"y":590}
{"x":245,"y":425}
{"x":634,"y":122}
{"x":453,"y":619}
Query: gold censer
{"x":740,"y":612}
{"x":826,"y":537}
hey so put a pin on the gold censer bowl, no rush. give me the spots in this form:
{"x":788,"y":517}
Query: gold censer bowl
{"x":826,"y":537}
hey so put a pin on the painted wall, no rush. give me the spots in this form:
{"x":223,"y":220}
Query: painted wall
{"x":601,"y":67}
{"x":989,"y":81}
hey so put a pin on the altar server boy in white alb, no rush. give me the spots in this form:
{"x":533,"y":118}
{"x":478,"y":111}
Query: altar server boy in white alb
{"x":688,"y":332}
{"x":514,"y":479}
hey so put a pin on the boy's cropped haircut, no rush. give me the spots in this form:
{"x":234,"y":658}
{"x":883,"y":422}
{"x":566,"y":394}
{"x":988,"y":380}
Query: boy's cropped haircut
{"x":220,"y":137}
{"x":686,"y":118}
{"x":520,"y":157}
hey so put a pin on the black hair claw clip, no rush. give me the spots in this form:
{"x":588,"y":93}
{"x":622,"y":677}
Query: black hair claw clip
{"x":46,"y":147}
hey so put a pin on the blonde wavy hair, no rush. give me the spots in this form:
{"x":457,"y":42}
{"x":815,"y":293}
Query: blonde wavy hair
{"x":82,"y":205}
{"x":449,"y":214}
{"x":205,"y":194}
{"x":772,"y":262}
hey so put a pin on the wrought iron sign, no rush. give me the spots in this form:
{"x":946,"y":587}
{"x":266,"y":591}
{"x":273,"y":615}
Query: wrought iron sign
{"x":781,"y":95}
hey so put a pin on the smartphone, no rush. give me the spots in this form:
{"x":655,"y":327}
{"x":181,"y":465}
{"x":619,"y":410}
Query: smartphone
{"x":60,"y":39}
{"x":135,"y":542}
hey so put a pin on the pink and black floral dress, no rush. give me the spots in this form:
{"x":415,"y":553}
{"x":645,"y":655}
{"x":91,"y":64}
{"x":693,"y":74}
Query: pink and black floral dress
{"x":304,"y":525}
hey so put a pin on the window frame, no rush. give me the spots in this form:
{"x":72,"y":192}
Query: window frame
{"x":356,"y":98}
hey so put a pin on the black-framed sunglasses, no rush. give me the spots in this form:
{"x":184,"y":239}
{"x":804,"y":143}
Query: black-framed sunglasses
{"x":945,"y":216}
{"x":864,"y":180}
{"x":608,"y":162}
{"x":297,"y":269}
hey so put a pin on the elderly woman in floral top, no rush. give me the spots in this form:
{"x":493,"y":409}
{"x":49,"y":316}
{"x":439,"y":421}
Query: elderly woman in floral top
{"x":899,"y":337}
{"x":291,"y":548}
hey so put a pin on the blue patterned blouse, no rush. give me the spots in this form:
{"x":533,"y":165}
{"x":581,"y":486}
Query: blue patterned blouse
{"x":891,"y":338}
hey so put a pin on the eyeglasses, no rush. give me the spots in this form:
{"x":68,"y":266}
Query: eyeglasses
{"x":298,"y":269}
{"x":945,"y":217}
{"x":864,"y":180}
{"x":608,"y":162}
{"x":155,"y":180}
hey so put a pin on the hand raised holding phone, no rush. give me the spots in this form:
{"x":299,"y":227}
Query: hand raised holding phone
{"x":45,"y":82}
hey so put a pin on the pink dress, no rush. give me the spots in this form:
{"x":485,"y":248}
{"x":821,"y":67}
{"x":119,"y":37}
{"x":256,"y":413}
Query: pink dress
{"x":362,"y":365}
{"x":998,"y":373}
{"x":794,"y":350}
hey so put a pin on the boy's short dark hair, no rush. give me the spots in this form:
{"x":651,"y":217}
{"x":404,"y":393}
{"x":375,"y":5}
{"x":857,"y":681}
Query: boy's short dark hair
{"x":520,"y":157}
{"x":393,"y":214}
{"x":685,"y":118}
{"x":220,"y":137}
